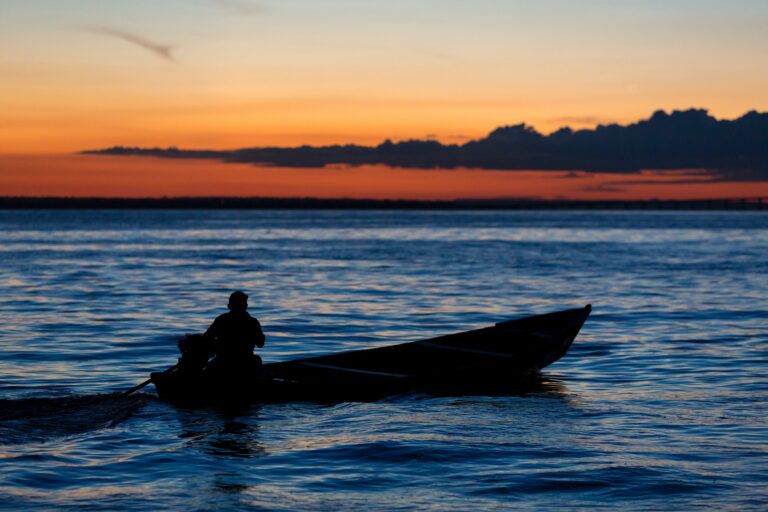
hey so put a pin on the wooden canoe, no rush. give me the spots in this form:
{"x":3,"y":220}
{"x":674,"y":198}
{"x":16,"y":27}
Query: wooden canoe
{"x":494,"y":359}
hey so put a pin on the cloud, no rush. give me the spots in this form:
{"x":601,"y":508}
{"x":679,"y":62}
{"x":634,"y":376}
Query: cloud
{"x":605,"y":187}
{"x":574,"y":174}
{"x":160,"y":50}
{"x":691,"y":139}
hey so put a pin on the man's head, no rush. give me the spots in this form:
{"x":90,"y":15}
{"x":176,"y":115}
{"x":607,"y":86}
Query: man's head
{"x":238,"y":301}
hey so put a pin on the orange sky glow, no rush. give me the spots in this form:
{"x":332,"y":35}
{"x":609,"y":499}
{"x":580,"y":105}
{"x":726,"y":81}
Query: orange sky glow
{"x":121,"y":176}
{"x":87,"y":74}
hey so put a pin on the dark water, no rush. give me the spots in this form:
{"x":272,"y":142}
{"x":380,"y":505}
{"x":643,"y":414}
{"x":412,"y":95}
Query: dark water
{"x":661,"y":403}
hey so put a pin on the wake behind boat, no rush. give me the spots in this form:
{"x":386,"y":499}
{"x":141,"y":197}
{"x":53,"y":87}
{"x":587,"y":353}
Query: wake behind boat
{"x":503,"y":356}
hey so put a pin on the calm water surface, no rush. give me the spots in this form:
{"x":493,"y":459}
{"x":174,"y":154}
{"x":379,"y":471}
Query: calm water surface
{"x":660,"y":404}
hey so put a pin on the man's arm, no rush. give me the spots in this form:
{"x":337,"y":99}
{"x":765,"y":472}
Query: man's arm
{"x":258,"y":337}
{"x":213,"y":330}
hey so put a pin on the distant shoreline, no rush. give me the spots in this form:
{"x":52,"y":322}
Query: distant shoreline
{"x":267,"y":203}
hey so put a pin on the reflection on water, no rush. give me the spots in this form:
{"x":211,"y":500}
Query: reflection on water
{"x":660,"y":404}
{"x":227,"y":437}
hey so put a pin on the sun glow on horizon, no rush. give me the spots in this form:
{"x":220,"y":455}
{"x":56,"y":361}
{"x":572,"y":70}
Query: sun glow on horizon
{"x":139,"y":177}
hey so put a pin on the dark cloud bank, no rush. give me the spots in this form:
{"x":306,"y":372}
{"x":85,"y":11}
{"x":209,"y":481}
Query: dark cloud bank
{"x":691,"y":139}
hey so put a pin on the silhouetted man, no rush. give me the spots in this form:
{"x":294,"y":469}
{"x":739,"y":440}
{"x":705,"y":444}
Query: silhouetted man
{"x":234,"y":335}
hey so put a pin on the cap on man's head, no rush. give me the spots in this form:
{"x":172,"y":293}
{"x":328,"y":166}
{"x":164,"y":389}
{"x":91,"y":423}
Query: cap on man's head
{"x":238,"y":300}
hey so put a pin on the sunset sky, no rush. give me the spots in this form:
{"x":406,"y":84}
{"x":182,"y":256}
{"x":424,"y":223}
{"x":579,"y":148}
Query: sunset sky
{"x":80,"y":74}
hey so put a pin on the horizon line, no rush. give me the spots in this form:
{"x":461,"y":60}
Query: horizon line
{"x":753,"y":203}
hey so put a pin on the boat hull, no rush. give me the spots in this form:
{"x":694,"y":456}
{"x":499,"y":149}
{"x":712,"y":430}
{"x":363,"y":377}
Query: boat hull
{"x":503,"y":357}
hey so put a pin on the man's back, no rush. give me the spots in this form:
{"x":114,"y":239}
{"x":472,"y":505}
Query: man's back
{"x":235,"y":334}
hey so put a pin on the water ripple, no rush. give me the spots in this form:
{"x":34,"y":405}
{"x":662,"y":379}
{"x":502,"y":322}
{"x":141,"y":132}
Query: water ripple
{"x":661,"y":403}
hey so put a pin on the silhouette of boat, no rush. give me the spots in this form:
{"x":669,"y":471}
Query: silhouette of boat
{"x":506,"y":356}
